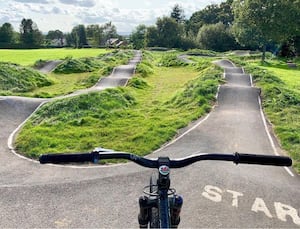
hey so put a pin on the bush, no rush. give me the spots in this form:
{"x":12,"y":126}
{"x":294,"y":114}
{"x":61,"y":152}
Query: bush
{"x":216,"y":37}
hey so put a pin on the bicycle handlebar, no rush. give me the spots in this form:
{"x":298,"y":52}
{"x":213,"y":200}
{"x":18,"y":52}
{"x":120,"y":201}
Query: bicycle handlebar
{"x":101,"y":154}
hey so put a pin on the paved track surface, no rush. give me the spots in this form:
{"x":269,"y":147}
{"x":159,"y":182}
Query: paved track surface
{"x":119,"y":76}
{"x":216,"y":194}
{"x":50,"y":66}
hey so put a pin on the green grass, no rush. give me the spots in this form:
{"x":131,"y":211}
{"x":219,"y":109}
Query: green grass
{"x":281,"y":101}
{"x":159,"y":101}
{"x":27,"y":57}
{"x":284,"y":109}
{"x":72,"y":75}
{"x":290,"y":76}
{"x":17,"y":79}
{"x":63,"y":84}
{"x":138,"y":118}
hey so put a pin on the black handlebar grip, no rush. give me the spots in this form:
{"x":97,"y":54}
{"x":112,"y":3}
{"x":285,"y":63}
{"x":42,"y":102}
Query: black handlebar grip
{"x":68,"y":158}
{"x":263,"y":159}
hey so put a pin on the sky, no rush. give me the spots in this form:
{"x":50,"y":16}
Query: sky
{"x":65,"y":14}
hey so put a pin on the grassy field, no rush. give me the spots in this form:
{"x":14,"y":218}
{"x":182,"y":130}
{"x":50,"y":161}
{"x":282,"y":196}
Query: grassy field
{"x":138,"y":118}
{"x":290,"y":76}
{"x":27,"y":57}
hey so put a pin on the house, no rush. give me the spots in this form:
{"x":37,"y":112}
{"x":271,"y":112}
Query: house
{"x":58,"y":42}
{"x":115,"y":43}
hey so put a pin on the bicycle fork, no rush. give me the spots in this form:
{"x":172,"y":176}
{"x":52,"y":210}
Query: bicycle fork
{"x":146,"y":203}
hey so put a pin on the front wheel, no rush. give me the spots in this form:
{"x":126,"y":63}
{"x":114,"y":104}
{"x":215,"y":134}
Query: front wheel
{"x":153,"y":213}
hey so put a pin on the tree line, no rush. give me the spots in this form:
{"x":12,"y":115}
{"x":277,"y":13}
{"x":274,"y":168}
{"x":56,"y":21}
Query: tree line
{"x":234,"y":24}
{"x":271,"y":25}
{"x":29,"y":36}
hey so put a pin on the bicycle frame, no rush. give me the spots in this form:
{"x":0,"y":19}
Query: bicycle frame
{"x":163,"y":184}
{"x":165,"y":200}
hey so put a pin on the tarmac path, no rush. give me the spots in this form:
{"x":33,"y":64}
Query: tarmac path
{"x":50,"y":66}
{"x":216,"y":194}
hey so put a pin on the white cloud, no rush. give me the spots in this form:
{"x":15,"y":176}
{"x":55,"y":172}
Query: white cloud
{"x":34,"y":1}
{"x":65,"y":14}
{"x":56,"y":10}
{"x":82,"y":3}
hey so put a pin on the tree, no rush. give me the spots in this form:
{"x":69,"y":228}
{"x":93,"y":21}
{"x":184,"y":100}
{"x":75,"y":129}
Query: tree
{"x":225,"y":14}
{"x":178,"y":14}
{"x":138,"y":36}
{"x":95,"y":35}
{"x":216,"y":37}
{"x":290,"y":48}
{"x":56,"y":35}
{"x":209,"y":15}
{"x":260,"y":22}
{"x":29,"y":33}
{"x":70,"y":39}
{"x":169,"y":32}
{"x":6,"y":33}
{"x":151,"y":37}
{"x":79,"y":36}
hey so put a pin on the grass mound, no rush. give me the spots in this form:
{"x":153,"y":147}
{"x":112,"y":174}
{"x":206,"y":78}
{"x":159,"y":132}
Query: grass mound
{"x":77,"y":66}
{"x":67,"y":125}
{"x":200,"y":91}
{"x":15,"y":78}
{"x":98,"y":105}
{"x":139,"y":118}
{"x":201,"y":52}
{"x":171,"y":60}
{"x":145,"y":67}
{"x":76,"y":74}
{"x":138,"y":83}
{"x":107,"y":62}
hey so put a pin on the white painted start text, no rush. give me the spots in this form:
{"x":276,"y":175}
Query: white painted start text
{"x":283,"y":211}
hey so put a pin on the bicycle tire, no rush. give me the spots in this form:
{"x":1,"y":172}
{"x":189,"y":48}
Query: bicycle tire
{"x":153,"y":214}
